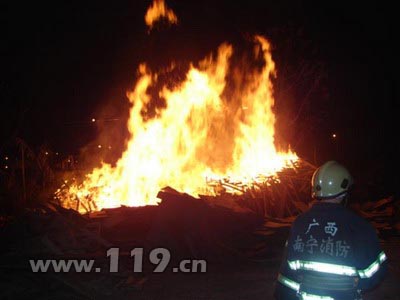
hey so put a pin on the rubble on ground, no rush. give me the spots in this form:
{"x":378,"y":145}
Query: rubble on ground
{"x":205,"y":228}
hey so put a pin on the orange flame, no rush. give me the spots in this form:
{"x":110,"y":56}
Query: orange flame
{"x":200,"y":134}
{"x":157,"y":11}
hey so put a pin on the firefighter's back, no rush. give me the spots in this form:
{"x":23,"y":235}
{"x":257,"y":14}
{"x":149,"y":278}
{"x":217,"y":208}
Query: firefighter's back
{"x":331,"y":252}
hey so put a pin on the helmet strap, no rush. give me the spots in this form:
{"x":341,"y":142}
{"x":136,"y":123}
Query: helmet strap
{"x":339,"y":199}
{"x":345,"y":200}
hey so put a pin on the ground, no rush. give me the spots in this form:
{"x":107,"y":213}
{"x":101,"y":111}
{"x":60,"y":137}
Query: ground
{"x":236,"y":280}
{"x":242,"y":250}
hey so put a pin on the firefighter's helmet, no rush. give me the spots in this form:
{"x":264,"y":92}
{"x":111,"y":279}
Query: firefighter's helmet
{"x":330,"y":181}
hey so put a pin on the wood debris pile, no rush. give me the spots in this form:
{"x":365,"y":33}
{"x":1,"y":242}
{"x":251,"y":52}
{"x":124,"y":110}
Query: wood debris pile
{"x":222,"y":228}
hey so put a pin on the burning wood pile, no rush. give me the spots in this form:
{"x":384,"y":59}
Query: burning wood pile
{"x":210,"y":134}
{"x":283,"y":194}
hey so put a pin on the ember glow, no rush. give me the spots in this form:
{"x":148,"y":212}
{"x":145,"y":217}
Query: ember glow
{"x":200,"y":135}
{"x":157,"y":11}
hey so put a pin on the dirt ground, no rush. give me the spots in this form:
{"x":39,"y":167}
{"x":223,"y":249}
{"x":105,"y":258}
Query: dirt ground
{"x":236,"y":280}
{"x":243,"y":255}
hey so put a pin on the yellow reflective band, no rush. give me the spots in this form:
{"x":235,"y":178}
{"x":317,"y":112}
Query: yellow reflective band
{"x":382,"y":257}
{"x":296,"y":287}
{"x":338,"y":269}
{"x":322,"y":267}
{"x":374,"y":267}
{"x":306,"y":296}
{"x":289,"y":283}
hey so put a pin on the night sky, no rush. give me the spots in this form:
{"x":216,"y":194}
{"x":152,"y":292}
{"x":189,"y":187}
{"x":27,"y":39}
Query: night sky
{"x":64,"y":63}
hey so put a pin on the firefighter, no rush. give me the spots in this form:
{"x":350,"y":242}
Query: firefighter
{"x":331,"y":252}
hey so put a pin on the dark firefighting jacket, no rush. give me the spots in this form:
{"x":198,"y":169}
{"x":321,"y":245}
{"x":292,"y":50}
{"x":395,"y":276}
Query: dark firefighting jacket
{"x":331,"y":253}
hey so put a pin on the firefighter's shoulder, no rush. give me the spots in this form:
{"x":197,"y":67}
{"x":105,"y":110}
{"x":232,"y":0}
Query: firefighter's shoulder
{"x":303,"y":218}
{"x":358,"y":222}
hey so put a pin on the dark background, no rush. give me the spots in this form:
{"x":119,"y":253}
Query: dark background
{"x":65,"y":63}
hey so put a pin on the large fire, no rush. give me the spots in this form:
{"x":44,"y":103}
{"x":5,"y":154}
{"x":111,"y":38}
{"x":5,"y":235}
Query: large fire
{"x":200,"y":134}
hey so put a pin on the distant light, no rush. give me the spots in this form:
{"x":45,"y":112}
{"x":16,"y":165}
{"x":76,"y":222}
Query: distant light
{"x":99,"y":146}
{"x":69,"y":160}
{"x":47,"y":153}
{"x":334,"y":135}
{"x":5,"y":167}
{"x":109,"y":147}
{"x":56,"y":153}
{"x":93,"y":120}
{"x":6,"y":158}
